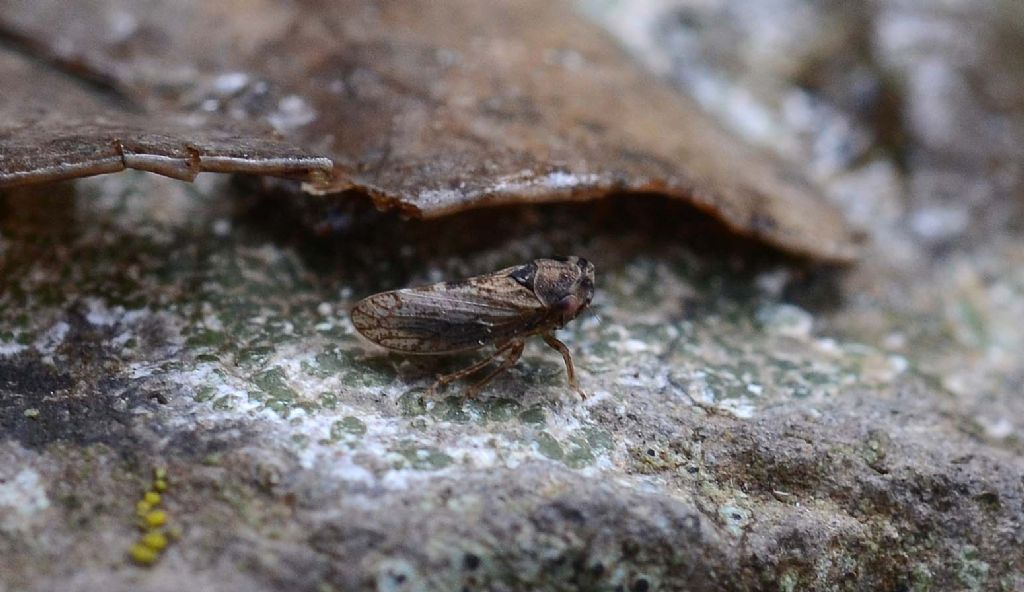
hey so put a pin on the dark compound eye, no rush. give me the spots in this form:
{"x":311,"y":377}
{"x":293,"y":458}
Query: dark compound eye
{"x":583,"y":263}
{"x":525,"y":275}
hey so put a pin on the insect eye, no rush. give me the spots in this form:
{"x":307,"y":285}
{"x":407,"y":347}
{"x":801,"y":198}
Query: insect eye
{"x":582,"y":263}
{"x":525,"y":275}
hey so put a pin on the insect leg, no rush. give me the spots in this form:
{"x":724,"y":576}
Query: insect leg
{"x":570,"y":370}
{"x":514,"y":352}
{"x":446,"y":379}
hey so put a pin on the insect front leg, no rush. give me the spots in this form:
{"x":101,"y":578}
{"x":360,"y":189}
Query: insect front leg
{"x":446,"y":379}
{"x":570,"y":370}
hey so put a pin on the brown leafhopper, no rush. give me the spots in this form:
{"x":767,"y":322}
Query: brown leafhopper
{"x":499,"y":309}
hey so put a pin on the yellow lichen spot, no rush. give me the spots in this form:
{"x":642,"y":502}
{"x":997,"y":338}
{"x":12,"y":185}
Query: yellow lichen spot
{"x":155,"y":540}
{"x":155,"y":518}
{"x":146,"y":551}
{"x":143,"y":555}
{"x":174,"y":532}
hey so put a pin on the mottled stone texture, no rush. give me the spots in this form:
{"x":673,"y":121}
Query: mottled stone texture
{"x":737,"y":435}
{"x":754,"y":424}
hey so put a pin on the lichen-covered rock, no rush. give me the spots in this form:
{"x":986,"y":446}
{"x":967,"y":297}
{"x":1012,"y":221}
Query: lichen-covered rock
{"x":734,"y":438}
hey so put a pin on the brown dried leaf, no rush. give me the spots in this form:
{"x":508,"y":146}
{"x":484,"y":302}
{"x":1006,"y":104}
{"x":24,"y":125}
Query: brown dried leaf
{"x":72,"y":133}
{"x":435,"y":107}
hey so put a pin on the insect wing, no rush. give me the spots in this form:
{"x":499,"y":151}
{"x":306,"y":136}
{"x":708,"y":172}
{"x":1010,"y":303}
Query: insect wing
{"x":450,"y":316}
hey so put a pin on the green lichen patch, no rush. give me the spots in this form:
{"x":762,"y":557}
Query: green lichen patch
{"x":973,"y":570}
{"x":413,"y":402}
{"x":548,"y":446}
{"x":534,"y":415}
{"x":577,"y":450}
{"x":419,"y":457}
{"x":348,"y":429}
{"x":503,"y":410}
{"x":278,"y":394}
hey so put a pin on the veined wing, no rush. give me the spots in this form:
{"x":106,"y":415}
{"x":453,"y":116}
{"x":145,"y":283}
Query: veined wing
{"x":450,"y":316}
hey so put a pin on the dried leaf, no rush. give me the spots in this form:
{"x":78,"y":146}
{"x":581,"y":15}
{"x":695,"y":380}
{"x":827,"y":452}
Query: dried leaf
{"x":76,"y":135}
{"x":435,"y":107}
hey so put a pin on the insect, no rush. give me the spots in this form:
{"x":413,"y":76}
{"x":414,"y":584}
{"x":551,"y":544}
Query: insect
{"x":499,"y":309}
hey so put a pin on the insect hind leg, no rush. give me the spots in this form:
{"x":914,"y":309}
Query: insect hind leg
{"x":513,"y":355}
{"x":506,"y":348}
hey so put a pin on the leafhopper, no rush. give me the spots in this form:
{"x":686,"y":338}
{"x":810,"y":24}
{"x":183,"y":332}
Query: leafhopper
{"x":500,"y":310}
